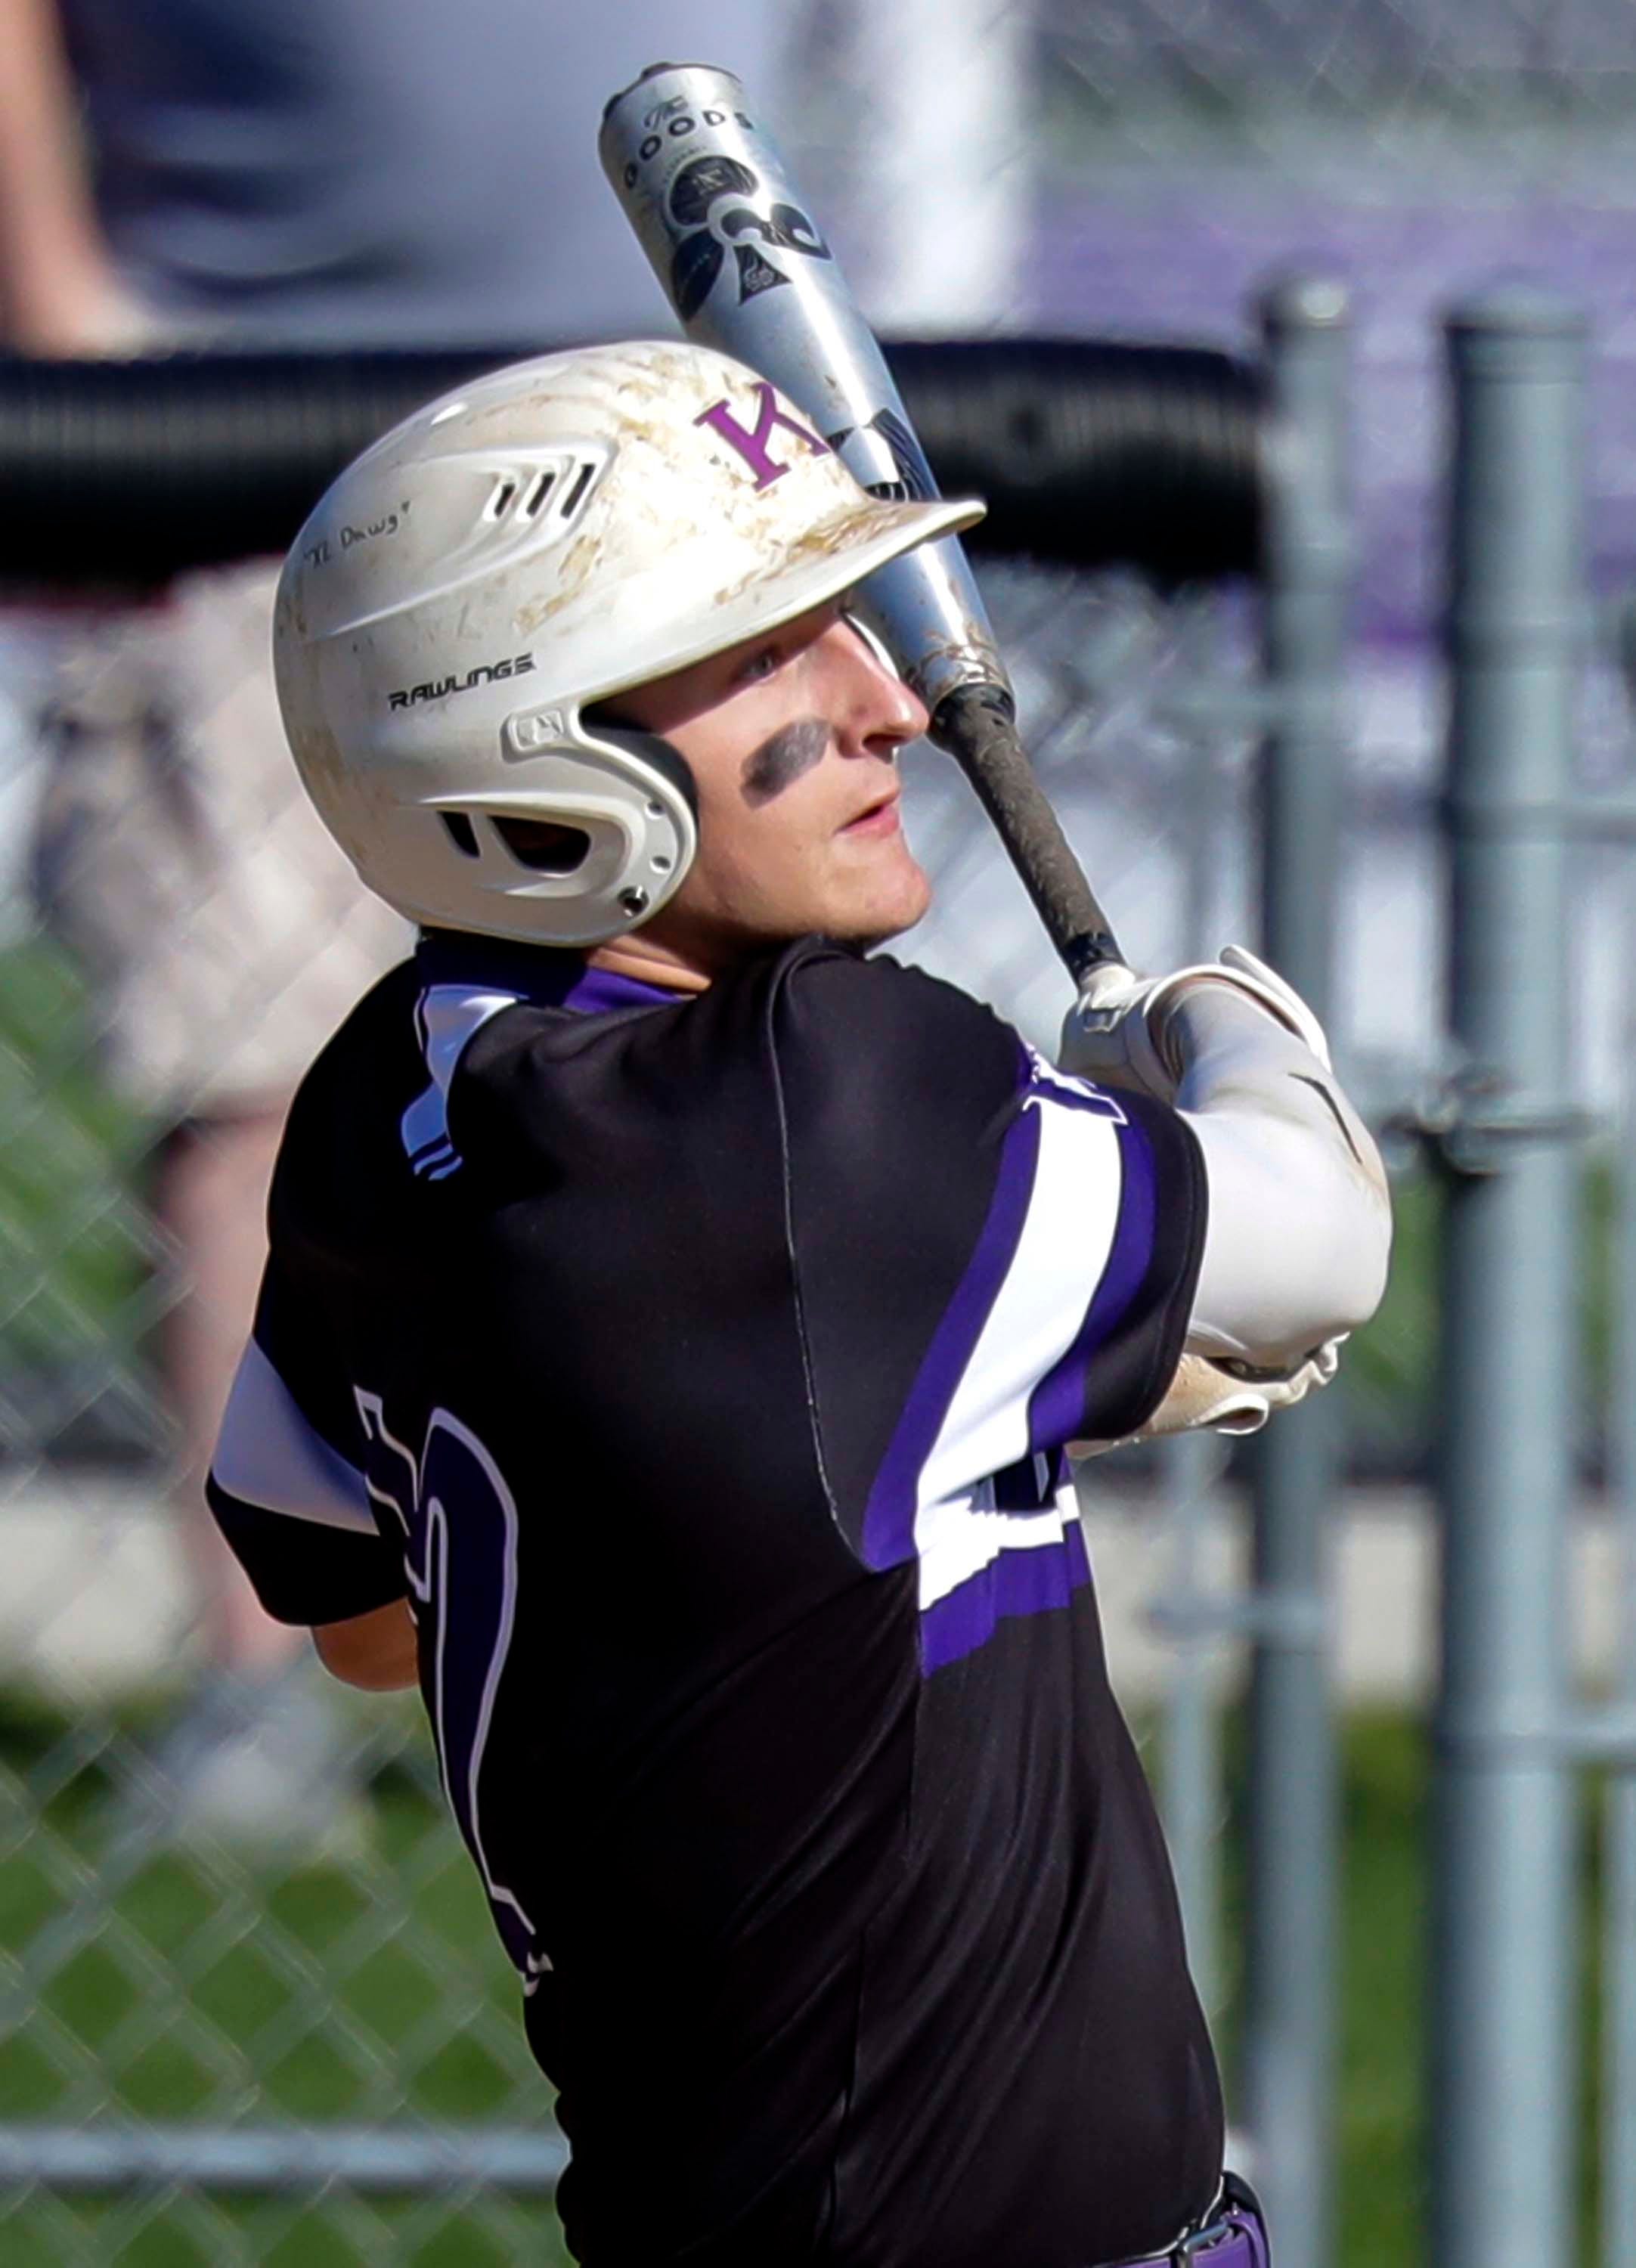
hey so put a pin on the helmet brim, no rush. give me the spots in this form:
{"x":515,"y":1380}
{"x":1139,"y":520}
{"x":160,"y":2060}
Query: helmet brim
{"x":829,"y":558}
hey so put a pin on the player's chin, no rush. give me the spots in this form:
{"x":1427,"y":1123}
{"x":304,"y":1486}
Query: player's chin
{"x":889,"y":897}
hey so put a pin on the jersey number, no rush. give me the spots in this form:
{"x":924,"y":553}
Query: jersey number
{"x":460,"y":1528}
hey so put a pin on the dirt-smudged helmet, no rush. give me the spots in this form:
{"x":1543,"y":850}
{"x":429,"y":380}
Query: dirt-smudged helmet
{"x":513,"y":555}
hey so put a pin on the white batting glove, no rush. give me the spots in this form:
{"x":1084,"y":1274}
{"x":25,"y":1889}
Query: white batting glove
{"x":1119,"y":1031}
{"x":1225,"y":1397}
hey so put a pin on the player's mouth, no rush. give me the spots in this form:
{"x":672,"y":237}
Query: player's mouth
{"x":879,"y":816}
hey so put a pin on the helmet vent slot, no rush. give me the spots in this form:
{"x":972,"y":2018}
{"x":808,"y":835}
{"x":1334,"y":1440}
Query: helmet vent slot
{"x":500,"y":501}
{"x":542,"y":845}
{"x":461,"y":833}
{"x":533,"y":502}
{"x":575,"y":497}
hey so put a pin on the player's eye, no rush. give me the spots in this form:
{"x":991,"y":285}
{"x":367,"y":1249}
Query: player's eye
{"x":759,"y":665}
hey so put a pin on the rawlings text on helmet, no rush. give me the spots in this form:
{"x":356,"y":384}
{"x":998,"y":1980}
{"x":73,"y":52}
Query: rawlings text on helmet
{"x":485,"y":673}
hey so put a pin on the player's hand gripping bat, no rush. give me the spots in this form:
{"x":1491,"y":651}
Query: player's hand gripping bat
{"x":749,"y":273}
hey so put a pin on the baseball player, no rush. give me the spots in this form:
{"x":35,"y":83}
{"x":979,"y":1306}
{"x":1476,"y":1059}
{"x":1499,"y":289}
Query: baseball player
{"x":675,"y":1321}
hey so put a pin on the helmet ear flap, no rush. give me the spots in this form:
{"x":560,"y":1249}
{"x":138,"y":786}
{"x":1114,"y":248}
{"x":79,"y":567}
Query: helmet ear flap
{"x":591,"y":830}
{"x":652,"y":749}
{"x":666,"y":795}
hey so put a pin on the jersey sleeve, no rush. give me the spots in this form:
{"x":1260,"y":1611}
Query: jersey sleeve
{"x":992,"y":1259}
{"x":285,"y":1484}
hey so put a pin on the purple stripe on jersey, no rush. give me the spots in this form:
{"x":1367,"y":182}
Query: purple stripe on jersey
{"x":547,"y":975}
{"x":889,"y":1538}
{"x":1017,"y":1583}
{"x":1058,"y":1405}
{"x":596,"y":992}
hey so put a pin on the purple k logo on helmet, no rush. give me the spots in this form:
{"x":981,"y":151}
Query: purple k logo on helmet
{"x":751,"y":442}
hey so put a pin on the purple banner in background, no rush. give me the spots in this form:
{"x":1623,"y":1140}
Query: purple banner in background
{"x":1180,"y":257}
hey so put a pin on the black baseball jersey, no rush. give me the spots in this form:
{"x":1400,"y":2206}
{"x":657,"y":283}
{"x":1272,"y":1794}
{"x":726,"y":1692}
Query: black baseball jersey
{"x":699,"y":1368}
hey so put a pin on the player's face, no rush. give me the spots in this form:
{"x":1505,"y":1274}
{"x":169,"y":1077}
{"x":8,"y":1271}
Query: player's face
{"x":792,"y":739}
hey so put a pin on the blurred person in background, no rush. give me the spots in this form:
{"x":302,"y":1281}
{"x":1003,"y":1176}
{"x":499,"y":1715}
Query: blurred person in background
{"x":269,"y":174}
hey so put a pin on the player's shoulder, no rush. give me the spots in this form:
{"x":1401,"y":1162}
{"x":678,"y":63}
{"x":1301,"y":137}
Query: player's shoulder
{"x":351,"y":1098}
{"x":898,"y":1046}
{"x":827,"y":992}
{"x":374,"y":1042}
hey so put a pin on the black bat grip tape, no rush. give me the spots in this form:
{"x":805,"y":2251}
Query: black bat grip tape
{"x":976,"y":725}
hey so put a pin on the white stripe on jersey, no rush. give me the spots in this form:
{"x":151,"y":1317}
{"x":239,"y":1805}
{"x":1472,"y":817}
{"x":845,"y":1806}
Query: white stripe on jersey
{"x":446,"y":1016}
{"x":270,"y":1457}
{"x":957,"y":1541}
{"x":1067,"y":1234}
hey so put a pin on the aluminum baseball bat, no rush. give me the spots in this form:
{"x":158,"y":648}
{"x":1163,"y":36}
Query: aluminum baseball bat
{"x":748,"y":273}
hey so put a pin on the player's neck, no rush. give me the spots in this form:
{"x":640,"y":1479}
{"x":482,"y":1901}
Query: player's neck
{"x":649,"y":962}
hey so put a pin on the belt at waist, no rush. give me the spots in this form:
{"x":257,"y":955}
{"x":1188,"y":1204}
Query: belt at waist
{"x":1232,"y":2235}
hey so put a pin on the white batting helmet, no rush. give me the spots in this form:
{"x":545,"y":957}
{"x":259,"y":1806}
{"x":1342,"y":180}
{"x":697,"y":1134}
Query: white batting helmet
{"x":513,"y":553}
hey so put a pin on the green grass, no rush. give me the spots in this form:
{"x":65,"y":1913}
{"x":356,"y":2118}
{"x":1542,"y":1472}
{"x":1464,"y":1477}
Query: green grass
{"x":1382,"y":1954}
{"x":1379,"y":2187}
{"x":290,"y":1978}
{"x":1384,"y":1951}
{"x":354,"y":1993}
{"x":79,"y":1289}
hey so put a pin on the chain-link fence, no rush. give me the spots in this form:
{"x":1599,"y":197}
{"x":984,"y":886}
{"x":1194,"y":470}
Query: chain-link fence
{"x":233,"y":1911}
{"x":1370,"y":60}
{"x":241,"y":2029}
{"x":206,"y":2000}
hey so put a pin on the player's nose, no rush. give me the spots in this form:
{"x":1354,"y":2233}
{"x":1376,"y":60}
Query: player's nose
{"x":875,"y":712}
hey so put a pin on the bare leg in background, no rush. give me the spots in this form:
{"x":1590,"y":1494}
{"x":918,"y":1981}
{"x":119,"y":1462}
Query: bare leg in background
{"x":256,"y":1755}
{"x":222,"y":937}
{"x":210,"y":1194}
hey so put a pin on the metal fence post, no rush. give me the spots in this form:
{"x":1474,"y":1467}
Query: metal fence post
{"x":1501,"y":1966}
{"x":1618,"y":2060}
{"x":1288,"y":2079}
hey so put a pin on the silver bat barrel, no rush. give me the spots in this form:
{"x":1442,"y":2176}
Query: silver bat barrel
{"x":748,"y":273}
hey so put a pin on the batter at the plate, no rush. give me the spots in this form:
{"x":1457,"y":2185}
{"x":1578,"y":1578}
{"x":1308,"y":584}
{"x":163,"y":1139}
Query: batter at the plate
{"x":678,"y":1317}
